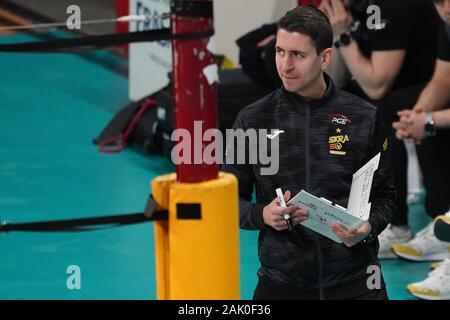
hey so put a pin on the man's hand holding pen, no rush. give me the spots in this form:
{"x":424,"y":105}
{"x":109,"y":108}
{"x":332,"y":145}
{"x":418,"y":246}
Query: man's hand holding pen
{"x":273,"y":214}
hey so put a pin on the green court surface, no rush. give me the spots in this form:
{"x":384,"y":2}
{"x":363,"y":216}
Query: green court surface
{"x":52,"y":106}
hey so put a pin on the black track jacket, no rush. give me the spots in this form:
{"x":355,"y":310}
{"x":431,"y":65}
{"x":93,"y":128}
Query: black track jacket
{"x":324,"y":142}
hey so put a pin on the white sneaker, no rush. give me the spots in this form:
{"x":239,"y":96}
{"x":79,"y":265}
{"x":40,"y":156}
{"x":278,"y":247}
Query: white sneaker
{"x":424,"y":247}
{"x":390,"y":236}
{"x":436,"y":286}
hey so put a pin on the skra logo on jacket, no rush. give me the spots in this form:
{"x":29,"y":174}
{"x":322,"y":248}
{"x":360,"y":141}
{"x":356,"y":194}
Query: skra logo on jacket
{"x":338,"y":135}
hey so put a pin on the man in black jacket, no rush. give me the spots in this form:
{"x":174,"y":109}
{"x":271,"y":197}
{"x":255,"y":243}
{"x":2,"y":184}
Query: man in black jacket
{"x":325,"y":135}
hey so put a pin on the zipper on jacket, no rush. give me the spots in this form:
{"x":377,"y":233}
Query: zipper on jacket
{"x":319,"y":251}
{"x":308,"y":187}
{"x":307,"y":149}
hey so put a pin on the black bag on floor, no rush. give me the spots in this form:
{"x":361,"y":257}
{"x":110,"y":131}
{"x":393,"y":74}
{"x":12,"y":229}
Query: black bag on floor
{"x":149,"y":123}
{"x":146,"y":124}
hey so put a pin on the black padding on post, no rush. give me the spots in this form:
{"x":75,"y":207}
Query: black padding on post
{"x":189,"y":211}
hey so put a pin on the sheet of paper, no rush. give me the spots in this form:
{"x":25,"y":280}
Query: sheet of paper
{"x":358,"y":202}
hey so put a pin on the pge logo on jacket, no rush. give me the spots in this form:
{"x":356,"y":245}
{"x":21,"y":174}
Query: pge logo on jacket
{"x":340,"y":119}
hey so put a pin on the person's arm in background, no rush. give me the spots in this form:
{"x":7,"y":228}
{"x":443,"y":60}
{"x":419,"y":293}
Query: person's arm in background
{"x":411,"y":126}
{"x":337,"y":69}
{"x":376,"y":75}
{"x":436,"y":94}
{"x":434,"y":97}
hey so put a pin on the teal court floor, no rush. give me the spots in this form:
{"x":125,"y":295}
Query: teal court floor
{"x":51,"y":107}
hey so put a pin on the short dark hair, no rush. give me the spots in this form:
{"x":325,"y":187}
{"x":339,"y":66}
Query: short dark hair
{"x":310,"y":21}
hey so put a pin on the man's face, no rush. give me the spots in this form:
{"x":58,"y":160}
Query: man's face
{"x":443,"y":8}
{"x":298,"y":64}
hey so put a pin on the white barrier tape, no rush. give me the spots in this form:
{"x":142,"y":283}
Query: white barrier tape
{"x":130,"y":18}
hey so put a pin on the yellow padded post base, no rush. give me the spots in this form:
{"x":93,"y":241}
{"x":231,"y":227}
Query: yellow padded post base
{"x":198,"y":258}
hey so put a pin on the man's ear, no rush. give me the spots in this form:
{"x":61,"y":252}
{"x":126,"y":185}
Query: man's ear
{"x":325,"y":57}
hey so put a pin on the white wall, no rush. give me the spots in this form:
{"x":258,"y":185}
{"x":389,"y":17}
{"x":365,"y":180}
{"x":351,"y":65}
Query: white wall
{"x":234,"y":18}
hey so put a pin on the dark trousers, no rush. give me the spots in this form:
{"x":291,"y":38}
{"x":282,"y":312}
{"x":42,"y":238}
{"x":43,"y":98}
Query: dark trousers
{"x":434,"y":158}
{"x":356,"y":290}
{"x":399,"y":161}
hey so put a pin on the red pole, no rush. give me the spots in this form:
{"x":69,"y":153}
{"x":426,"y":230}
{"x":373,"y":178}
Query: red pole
{"x":122,"y":9}
{"x":195,"y":99}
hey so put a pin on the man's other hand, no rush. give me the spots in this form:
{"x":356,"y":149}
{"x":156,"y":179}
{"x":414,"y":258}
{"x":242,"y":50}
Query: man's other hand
{"x":273,"y":213}
{"x":351,"y":237}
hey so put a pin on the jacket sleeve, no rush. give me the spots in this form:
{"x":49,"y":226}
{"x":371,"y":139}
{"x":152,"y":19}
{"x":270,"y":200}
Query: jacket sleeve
{"x":250,"y":214}
{"x":383,"y":193}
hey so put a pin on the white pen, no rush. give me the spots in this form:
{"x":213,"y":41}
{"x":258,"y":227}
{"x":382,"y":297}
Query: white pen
{"x":287,"y":216}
